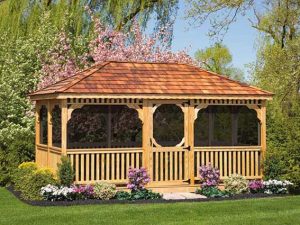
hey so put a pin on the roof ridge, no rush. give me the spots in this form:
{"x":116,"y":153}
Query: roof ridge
{"x":101,"y":65}
{"x":230,"y":79}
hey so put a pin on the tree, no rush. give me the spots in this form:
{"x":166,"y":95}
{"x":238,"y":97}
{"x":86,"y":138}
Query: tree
{"x":217,"y":58}
{"x":277,"y":69}
{"x":108,"y":45}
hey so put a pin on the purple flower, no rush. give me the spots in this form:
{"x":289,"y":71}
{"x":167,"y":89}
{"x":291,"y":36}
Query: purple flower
{"x":256,"y":186}
{"x":137,"y":178}
{"x":209,"y":176}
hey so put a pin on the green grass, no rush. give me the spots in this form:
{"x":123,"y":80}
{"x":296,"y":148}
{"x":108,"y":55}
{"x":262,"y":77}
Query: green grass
{"x":285,"y":210}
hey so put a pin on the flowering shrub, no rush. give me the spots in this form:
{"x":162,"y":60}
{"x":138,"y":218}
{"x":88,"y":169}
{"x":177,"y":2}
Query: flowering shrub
{"x":210,"y":177}
{"x":83,"y":192}
{"x":276,"y":186}
{"x":138,"y":178}
{"x":22,"y":173}
{"x":236,"y":184}
{"x":54,"y":193}
{"x":256,"y":186}
{"x":104,"y":191}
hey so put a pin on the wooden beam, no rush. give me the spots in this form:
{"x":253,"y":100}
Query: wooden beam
{"x":64,"y":121}
{"x":191,"y":122}
{"x":37,"y":131}
{"x":49,"y":130}
{"x":263,"y":132}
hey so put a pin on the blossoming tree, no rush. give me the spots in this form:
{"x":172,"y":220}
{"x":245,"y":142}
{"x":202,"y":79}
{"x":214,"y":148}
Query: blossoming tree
{"x":108,"y":45}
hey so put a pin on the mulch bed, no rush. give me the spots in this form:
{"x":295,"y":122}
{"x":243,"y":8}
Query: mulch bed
{"x":116,"y":201}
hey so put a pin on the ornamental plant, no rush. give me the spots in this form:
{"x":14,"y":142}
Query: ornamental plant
{"x":209,"y":176}
{"x":65,"y":172}
{"x":256,"y":186}
{"x":236,"y":184}
{"x":83,"y":192}
{"x":104,"y":191}
{"x":55,"y":193}
{"x":137,"y":179}
{"x":277,"y":186}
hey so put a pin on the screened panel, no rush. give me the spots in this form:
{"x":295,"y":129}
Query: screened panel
{"x":56,"y":126}
{"x":43,"y":125}
{"x":248,"y":127}
{"x":226,"y":126}
{"x":168,"y":125}
{"x":104,"y":126}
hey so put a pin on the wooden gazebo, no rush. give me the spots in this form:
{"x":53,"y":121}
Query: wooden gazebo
{"x":170,"y":118}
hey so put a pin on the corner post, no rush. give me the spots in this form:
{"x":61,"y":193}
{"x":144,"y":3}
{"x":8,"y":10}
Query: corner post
{"x":37,"y":130}
{"x":64,"y":121}
{"x":49,"y":129}
{"x":263,"y":129}
{"x":191,"y":121}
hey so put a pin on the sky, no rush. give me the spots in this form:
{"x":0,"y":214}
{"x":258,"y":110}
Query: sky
{"x":240,"y":39}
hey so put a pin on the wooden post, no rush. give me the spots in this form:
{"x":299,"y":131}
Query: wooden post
{"x":191,"y":121}
{"x":37,"y":130}
{"x":64,"y":121}
{"x":263,"y":130}
{"x":146,"y":133}
{"x":49,"y":130}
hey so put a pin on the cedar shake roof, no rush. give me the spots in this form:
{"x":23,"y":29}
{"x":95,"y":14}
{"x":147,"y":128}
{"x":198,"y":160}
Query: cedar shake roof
{"x":136,"y":78}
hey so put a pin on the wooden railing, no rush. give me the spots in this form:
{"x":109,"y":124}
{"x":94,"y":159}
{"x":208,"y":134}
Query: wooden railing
{"x":111,"y":165}
{"x":169,"y":164}
{"x":230,"y":160}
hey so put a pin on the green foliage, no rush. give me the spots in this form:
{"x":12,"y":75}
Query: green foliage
{"x":32,"y":185}
{"x":143,"y":194}
{"x":29,"y":180}
{"x":104,"y":191}
{"x":236,"y":184}
{"x":65,"y":172}
{"x":20,"y":174}
{"x":218,"y":58}
{"x":293,"y":176}
{"x":213,"y":192}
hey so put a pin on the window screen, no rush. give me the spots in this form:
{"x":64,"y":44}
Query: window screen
{"x":168,"y":125}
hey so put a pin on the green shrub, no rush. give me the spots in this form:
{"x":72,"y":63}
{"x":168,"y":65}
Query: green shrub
{"x":65,"y":172}
{"x":236,"y":184}
{"x":142,"y":194}
{"x":212,"y":192}
{"x":123,"y":195}
{"x":104,"y":191}
{"x":33,"y":182}
{"x":274,"y":165}
{"x":22,"y":173}
{"x":294,"y":177}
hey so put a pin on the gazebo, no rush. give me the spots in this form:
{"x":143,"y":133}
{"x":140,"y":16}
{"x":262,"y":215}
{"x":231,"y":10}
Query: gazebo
{"x":169,"y":118}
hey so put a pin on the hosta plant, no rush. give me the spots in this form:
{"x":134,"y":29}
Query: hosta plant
{"x":212,"y":192}
{"x":276,"y":186}
{"x":236,"y":184}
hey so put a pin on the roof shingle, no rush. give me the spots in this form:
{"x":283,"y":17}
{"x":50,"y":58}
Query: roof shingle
{"x":150,"y":78}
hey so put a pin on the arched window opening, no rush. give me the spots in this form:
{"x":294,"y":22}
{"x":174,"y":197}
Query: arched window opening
{"x":44,"y":125}
{"x":104,"y":126}
{"x":248,"y":127}
{"x":168,"y":125}
{"x":226,"y":126}
{"x":56,"y":126}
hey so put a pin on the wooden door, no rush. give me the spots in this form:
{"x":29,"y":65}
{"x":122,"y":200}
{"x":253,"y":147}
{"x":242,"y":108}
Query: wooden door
{"x":170,"y":151}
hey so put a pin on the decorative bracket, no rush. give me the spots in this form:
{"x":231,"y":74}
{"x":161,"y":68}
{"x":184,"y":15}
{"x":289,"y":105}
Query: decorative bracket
{"x":258,"y":111}
{"x":72,"y":108}
{"x":138,"y":109}
{"x":198,"y":108}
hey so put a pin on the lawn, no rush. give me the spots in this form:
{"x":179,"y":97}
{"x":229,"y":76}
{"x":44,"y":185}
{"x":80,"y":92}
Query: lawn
{"x":273,"y":211}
